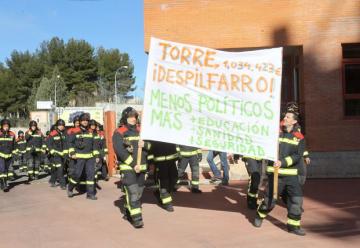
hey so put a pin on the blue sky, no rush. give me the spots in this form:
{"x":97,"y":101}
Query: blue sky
{"x":24,"y":24}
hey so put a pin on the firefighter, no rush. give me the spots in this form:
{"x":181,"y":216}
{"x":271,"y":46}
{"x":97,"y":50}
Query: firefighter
{"x":69,"y":164}
{"x":34,"y":142}
{"x":192,"y":156}
{"x":83,"y":149}
{"x":57,"y":146}
{"x":45,"y":161}
{"x":103,"y":172}
{"x":126,"y":142}
{"x":164,"y":157}
{"x":291,"y":150}
{"x":21,"y":150}
{"x":7,"y":149}
{"x":93,"y":129}
{"x":253,"y":167}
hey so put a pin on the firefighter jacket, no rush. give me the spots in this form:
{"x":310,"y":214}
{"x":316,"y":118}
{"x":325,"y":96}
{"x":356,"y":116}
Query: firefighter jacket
{"x":291,"y":150}
{"x":161,"y":151}
{"x":7,"y":144}
{"x":125,"y":142}
{"x":57,"y":143}
{"x":34,"y":141}
{"x":103,"y":146}
{"x":82,"y":144}
{"x":20,"y":146}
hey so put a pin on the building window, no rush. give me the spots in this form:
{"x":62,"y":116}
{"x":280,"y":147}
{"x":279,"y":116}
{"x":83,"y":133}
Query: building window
{"x":351,"y":79}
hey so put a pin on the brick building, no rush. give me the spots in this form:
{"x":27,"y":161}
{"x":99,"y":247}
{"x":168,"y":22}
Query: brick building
{"x":321,"y":65}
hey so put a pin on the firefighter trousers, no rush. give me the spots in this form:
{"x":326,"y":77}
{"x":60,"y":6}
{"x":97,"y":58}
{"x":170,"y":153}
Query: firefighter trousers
{"x":57,"y":171}
{"x":84,"y":168}
{"x":4,"y":167}
{"x":194,"y":166}
{"x":133,"y":184}
{"x":290,"y":186}
{"x":167,"y":176}
{"x":253,"y":168}
{"x":34,"y":160}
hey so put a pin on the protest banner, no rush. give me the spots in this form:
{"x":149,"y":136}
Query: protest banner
{"x":217,"y":100}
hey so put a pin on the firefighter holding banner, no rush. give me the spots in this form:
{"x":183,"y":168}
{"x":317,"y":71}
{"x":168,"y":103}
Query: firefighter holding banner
{"x":131,"y":153}
{"x":291,"y":150}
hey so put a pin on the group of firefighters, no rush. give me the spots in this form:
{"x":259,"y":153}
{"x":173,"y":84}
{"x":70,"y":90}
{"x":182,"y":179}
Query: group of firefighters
{"x":78,"y":159}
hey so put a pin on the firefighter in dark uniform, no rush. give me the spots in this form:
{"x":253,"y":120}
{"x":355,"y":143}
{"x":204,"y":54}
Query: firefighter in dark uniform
{"x":34,"y":142}
{"x":291,"y":150}
{"x":83,"y":149}
{"x":7,"y":150}
{"x":126,"y":142}
{"x":69,"y":165}
{"x":99,"y":138}
{"x":45,"y":161}
{"x":103,"y":172}
{"x":57,"y":146}
{"x":193,"y":156}
{"x":253,"y":167}
{"x":21,"y":150}
{"x":164,"y":157}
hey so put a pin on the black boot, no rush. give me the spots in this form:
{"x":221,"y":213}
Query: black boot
{"x":6,"y":186}
{"x":168,"y":207}
{"x":196,"y":191}
{"x":258,"y":221}
{"x":296,"y":230}
{"x":91,"y":197}
{"x":138,"y":223}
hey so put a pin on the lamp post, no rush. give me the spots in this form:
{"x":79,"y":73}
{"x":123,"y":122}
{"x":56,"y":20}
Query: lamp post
{"x":57,"y":78}
{"x":115,"y":89}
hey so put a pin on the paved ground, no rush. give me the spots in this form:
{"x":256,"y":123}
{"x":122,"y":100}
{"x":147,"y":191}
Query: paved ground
{"x":39,"y":216}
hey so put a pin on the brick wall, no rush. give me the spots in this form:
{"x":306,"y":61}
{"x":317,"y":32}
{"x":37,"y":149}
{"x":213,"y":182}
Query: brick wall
{"x":318,"y":26}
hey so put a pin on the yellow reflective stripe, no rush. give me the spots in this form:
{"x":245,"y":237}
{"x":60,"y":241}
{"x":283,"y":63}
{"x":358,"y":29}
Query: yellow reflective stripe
{"x":129,"y":160}
{"x":261,"y":214}
{"x":132,"y":138}
{"x":134,"y":211}
{"x":166,"y":158}
{"x":4,"y":155}
{"x":65,"y":151}
{"x":30,"y":172}
{"x":289,"y":141}
{"x":195,"y":182}
{"x":6,"y":139}
{"x":293,"y":222}
{"x":52,"y":151}
{"x":72,"y":181}
{"x":306,"y":153}
{"x":36,"y":172}
{"x":128,"y":167}
{"x":82,"y":183}
{"x":199,"y":151}
{"x":125,"y":167}
{"x":3,"y":175}
{"x":192,"y":153}
{"x":166,"y":200}
{"x":177,"y":148}
{"x":84,"y":136}
{"x":255,"y":158}
{"x":35,"y":135}
{"x":252,"y":195}
{"x":21,"y":142}
{"x":56,"y":138}
{"x":57,"y":165}
{"x":90,"y":182}
{"x":150,"y":157}
{"x":86,"y":155}
{"x":96,"y":152}
{"x":283,"y":171}
{"x":289,"y":161}
{"x":72,"y":149}
{"x":106,"y":150}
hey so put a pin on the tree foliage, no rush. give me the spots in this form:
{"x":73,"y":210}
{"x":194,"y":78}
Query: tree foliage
{"x":81,"y":73}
